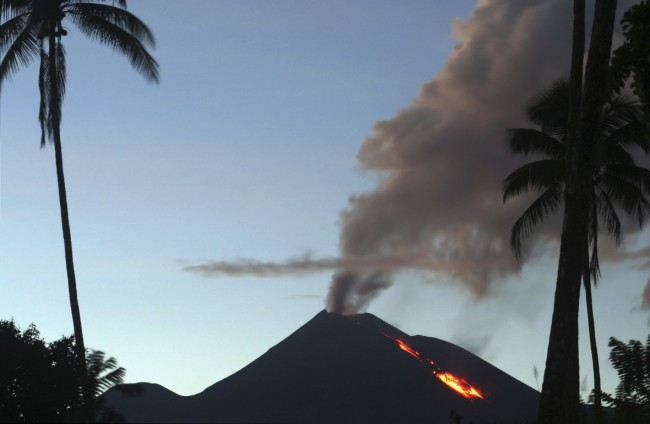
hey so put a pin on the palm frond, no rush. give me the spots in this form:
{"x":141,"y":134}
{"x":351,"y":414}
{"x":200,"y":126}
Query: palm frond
{"x":11,"y":8}
{"x":622,"y":124}
{"x":119,"y":17}
{"x":550,"y":108}
{"x":113,"y":378}
{"x":539,"y":175}
{"x":117,"y":38}
{"x":609,"y":154}
{"x":609,"y":216}
{"x":10,"y":29}
{"x":527,"y":141}
{"x":104,"y":373}
{"x":545,"y":205}
{"x":22,"y":51}
{"x":620,"y":110}
{"x":60,"y":79}
{"x":592,"y":237}
{"x":626,"y":195}
{"x":633,"y":134}
{"x":43,"y":88}
{"x":633,"y":174}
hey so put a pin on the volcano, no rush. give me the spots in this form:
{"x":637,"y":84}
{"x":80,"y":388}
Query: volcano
{"x":356,"y":369}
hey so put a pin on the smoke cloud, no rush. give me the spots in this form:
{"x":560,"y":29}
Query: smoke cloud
{"x":443,"y":159}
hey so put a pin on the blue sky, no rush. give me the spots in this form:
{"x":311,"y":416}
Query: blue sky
{"x":248,"y":149}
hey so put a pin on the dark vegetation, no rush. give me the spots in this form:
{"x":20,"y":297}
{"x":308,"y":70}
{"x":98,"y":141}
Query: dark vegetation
{"x":40,"y":382}
{"x":631,"y":402}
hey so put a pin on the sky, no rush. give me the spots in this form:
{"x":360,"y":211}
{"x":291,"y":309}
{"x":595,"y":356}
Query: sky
{"x":297,"y":155}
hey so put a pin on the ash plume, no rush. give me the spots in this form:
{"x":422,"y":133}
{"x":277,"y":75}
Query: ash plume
{"x":444,"y":158}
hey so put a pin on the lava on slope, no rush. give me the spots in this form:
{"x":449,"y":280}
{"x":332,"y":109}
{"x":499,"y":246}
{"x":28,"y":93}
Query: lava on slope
{"x":458,"y":384}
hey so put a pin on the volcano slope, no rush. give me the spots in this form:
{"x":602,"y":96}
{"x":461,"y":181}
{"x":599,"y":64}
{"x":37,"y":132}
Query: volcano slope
{"x":339,"y":368}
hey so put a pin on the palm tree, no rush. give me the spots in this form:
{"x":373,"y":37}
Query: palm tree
{"x":33,"y":30}
{"x":104,"y":374}
{"x":560,"y":397}
{"x":616,"y":181}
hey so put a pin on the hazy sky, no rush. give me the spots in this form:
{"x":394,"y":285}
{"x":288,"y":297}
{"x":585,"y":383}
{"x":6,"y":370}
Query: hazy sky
{"x":287,"y":136}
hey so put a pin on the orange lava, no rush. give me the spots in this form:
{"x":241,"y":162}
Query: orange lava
{"x":461,"y":386}
{"x":408,"y":349}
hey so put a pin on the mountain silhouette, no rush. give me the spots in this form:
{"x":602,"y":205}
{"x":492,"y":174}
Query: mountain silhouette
{"x":337,"y":369}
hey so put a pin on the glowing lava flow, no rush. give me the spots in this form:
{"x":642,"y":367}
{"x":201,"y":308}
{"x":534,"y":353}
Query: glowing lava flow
{"x":460,"y":385}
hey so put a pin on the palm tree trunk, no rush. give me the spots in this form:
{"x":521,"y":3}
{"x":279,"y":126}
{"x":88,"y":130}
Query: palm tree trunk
{"x":560,"y":397}
{"x":594,"y":347}
{"x":80,"y":349}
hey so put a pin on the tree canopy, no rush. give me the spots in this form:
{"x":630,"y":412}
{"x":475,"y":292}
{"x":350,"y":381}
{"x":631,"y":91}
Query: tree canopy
{"x":39,"y":381}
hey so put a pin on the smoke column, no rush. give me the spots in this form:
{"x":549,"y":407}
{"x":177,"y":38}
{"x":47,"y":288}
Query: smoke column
{"x":443,"y":158}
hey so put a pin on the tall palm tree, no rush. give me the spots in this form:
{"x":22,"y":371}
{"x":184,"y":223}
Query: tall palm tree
{"x":32,"y":30}
{"x":560,"y":397}
{"x":616,"y":181}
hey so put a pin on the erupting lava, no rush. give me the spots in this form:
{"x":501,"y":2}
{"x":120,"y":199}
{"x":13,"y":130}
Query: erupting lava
{"x":461,"y":386}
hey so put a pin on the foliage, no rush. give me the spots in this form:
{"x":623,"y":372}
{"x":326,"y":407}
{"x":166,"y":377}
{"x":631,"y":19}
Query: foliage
{"x":632,"y":58}
{"x":632,"y":363}
{"x":616,"y":179}
{"x":39,"y":381}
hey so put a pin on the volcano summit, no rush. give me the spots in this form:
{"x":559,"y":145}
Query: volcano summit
{"x":355,"y":369}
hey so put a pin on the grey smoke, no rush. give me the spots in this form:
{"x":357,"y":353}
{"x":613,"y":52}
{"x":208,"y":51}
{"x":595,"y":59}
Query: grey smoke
{"x":442,"y":160}
{"x":444,"y":157}
{"x":307,"y":264}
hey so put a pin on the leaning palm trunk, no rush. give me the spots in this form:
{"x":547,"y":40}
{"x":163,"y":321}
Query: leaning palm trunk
{"x":80,"y":349}
{"x":591,"y":269}
{"x":594,"y":347}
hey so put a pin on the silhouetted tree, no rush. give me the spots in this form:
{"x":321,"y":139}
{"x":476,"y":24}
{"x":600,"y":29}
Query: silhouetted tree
{"x":632,"y":58}
{"x":560,"y":397}
{"x":616,"y":180}
{"x":32,"y":30}
{"x":40,"y":382}
{"x":632,"y":363}
{"x":104,"y":374}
